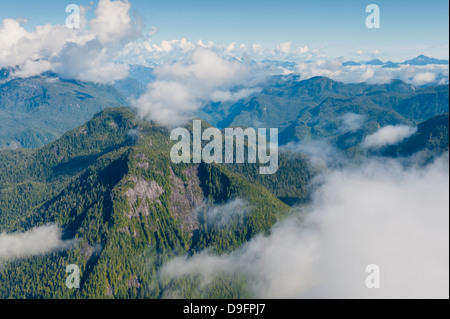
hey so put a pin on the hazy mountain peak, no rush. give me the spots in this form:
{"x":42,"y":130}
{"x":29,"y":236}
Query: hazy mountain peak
{"x":425,"y":60}
{"x":375,"y":62}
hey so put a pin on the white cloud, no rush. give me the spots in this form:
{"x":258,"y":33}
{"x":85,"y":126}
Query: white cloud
{"x":372,"y":74}
{"x":167,"y":102}
{"x":174,"y":50}
{"x":72,"y":63}
{"x":285,"y":47}
{"x":221,"y":215}
{"x":32,"y":68}
{"x":86,"y":54}
{"x":20,"y":46}
{"x":303,"y":50}
{"x":381,"y":213}
{"x":328,"y":68}
{"x":206,"y":67}
{"x":36,"y":241}
{"x":222,"y":96}
{"x":424,"y":78}
{"x":142,"y":52}
{"x":352,"y":122}
{"x":93,"y":52}
{"x":388,"y":135}
{"x":288,"y":49}
{"x":376,"y":52}
{"x":183,"y":87}
{"x":320,"y":151}
{"x":113,"y":23}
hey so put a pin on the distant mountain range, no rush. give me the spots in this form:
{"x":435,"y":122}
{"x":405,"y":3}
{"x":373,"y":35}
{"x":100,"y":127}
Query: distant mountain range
{"x":35,"y":111}
{"x":419,"y":60}
{"x":316,"y":109}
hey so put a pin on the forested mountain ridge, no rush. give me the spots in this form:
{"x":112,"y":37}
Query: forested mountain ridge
{"x":35,"y":111}
{"x":313,"y":108}
{"x":111,"y":186}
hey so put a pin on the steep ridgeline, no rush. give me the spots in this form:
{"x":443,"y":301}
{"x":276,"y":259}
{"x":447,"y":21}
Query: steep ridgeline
{"x":110,"y":185}
{"x":35,"y":111}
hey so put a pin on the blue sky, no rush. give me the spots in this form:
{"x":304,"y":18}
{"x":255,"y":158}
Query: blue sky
{"x":336,"y":28}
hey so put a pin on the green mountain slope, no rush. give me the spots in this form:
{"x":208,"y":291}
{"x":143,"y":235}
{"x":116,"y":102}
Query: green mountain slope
{"x":430,"y":140}
{"x":312,"y":109}
{"x":425,"y":104}
{"x":110,"y":185}
{"x":35,"y":111}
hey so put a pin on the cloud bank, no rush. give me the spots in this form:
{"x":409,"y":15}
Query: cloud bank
{"x":388,"y":135}
{"x":101,"y":49}
{"x":382,"y":213}
{"x":85,"y":54}
{"x":222,"y":215}
{"x":189,"y":75}
{"x":36,"y":241}
{"x":373,"y":74}
{"x":351,"y":122}
{"x":181,"y":88}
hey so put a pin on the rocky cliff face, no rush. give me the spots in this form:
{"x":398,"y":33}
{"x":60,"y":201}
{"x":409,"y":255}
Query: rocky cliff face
{"x":143,"y":194}
{"x":185,"y":197}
